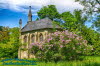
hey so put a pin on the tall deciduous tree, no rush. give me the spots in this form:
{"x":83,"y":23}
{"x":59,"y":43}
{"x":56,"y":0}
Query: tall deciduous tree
{"x":75,"y":21}
{"x":48,"y":11}
{"x":69,"y":21}
{"x":92,"y":7}
{"x":80,"y":20}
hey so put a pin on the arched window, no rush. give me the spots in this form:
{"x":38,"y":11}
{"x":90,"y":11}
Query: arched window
{"x":41,"y":37}
{"x":25,"y":39}
{"x":32,"y":39}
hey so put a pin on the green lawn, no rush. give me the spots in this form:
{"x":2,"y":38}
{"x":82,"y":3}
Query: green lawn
{"x":88,"y":61}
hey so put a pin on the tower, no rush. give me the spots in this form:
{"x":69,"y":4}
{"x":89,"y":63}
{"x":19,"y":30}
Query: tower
{"x":20,"y":24}
{"x":30,"y":15}
{"x":20,"y":27}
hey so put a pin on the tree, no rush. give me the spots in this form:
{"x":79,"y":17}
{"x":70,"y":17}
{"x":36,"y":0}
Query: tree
{"x":73,"y":22}
{"x":90,"y":6}
{"x":48,"y":11}
{"x":1,"y":28}
{"x":80,"y":19}
{"x":10,"y":47}
{"x":69,"y":21}
{"x":4,"y":34}
{"x":97,"y":23}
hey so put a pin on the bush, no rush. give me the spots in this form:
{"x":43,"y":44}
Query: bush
{"x":60,"y":45}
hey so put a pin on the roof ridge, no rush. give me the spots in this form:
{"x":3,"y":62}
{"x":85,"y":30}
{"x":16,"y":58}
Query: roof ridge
{"x":42,"y":19}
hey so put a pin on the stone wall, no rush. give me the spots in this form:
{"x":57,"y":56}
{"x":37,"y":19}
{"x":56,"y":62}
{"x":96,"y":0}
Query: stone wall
{"x":25,"y":53}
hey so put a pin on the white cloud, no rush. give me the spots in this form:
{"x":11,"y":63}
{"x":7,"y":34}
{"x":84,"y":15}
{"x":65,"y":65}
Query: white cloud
{"x":22,"y":5}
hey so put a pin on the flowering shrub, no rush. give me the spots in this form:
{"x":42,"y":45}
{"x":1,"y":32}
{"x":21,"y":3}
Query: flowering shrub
{"x":60,"y":45}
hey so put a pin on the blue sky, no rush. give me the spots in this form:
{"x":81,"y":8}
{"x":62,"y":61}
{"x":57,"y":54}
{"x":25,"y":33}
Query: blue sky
{"x":11,"y":18}
{"x":12,"y":10}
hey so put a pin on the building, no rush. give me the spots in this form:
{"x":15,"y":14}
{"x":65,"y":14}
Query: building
{"x":34,"y":31}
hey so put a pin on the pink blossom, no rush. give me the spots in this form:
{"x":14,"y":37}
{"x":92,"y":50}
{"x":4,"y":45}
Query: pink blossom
{"x":85,"y":41}
{"x":40,"y":47}
{"x":78,"y":44}
{"x":75,"y":35}
{"x":78,"y":38}
{"x":67,"y":41}
{"x":61,"y":46}
{"x":63,"y":40}
{"x":61,"y":37}
{"x":49,"y":39}
{"x":56,"y":33}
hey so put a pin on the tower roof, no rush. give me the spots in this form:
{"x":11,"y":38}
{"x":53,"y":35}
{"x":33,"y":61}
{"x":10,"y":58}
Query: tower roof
{"x":20,"y":21}
{"x":30,"y":13}
{"x":40,"y":24}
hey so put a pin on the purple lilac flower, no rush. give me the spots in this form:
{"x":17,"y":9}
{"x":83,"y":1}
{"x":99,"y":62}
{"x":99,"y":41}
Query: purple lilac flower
{"x":49,"y":39}
{"x":61,"y":46}
{"x":67,"y":41}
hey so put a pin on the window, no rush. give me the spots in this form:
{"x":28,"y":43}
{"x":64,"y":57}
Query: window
{"x":41,"y":37}
{"x":32,"y":39}
{"x":25,"y":39}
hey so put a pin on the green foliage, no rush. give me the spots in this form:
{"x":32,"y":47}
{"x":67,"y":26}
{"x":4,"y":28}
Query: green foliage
{"x":1,"y":28}
{"x":80,"y":19}
{"x":70,"y":21}
{"x":73,"y":22}
{"x":48,"y":11}
{"x":10,"y":47}
{"x":4,"y":35}
{"x":97,"y":23}
{"x":37,"y":19}
{"x":90,"y":6}
{"x":93,"y":39}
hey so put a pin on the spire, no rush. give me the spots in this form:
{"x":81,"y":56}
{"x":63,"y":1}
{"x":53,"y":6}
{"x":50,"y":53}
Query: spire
{"x":30,"y":15}
{"x":20,"y":24}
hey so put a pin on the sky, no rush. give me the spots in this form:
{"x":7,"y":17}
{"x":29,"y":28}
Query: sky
{"x":13,"y":10}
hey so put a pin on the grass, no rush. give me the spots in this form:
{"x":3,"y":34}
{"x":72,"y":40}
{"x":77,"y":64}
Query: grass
{"x":88,"y":61}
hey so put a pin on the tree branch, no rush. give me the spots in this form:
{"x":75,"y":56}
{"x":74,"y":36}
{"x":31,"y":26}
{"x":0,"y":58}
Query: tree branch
{"x":98,"y":2}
